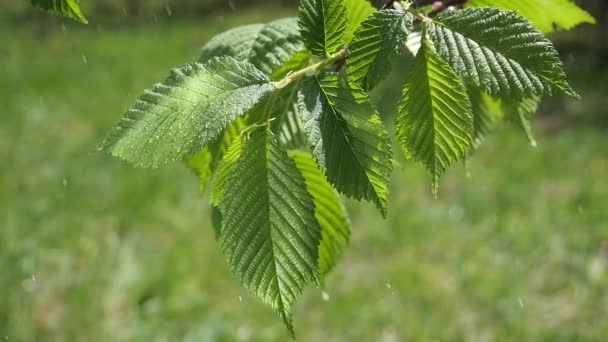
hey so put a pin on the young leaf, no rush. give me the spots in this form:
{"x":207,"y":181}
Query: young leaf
{"x":66,"y":8}
{"x":519,"y":114}
{"x":205,"y":162}
{"x":435,"y":124}
{"x":269,"y":231}
{"x":379,"y":39}
{"x":500,"y":52}
{"x":486,"y":111}
{"x":322,"y":25}
{"x":545,"y":14}
{"x":201,"y":164}
{"x":224,"y":168}
{"x":291,"y":133}
{"x":266,"y":46}
{"x":288,"y":125}
{"x":347,"y":137}
{"x":357,"y":10}
{"x":187,"y":111}
{"x":329,"y":211}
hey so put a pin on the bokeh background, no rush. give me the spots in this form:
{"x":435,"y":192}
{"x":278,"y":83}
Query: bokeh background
{"x":514,"y":248}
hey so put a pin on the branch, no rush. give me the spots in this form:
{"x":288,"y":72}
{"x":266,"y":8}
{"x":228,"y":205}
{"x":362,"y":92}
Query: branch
{"x":440,"y":6}
{"x":311,"y":70}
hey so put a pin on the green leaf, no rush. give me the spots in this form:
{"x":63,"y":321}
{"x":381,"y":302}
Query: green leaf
{"x":544,"y":14}
{"x":379,"y":39}
{"x":288,"y":125}
{"x":500,"y":52}
{"x":201,"y":165}
{"x":486,"y":111}
{"x":270,"y":235}
{"x":347,"y":137}
{"x":329,"y":211}
{"x":519,"y":114}
{"x":276,"y":44}
{"x":237,"y":43}
{"x":205,"y":162}
{"x":435,"y":124}
{"x":291,"y":133}
{"x":224,"y":168}
{"x":323,"y":25}
{"x":266,"y":46}
{"x":357,"y":10}
{"x":66,"y":8}
{"x":190,"y":109}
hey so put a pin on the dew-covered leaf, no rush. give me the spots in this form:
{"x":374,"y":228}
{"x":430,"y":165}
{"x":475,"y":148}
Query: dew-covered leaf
{"x":180,"y":116}
{"x":266,"y":46}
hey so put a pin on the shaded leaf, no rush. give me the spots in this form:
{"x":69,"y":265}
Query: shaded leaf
{"x":205,"y":161}
{"x":348,"y":138}
{"x":329,"y":211}
{"x":379,"y":39}
{"x":519,"y":113}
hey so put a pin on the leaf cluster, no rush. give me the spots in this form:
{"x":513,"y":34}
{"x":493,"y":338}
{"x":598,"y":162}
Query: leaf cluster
{"x":276,"y":120}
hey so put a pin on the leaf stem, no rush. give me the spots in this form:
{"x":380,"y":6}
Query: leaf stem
{"x":312,"y":69}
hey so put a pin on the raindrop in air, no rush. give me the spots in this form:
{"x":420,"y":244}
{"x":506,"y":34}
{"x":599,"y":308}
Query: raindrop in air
{"x":84,"y":59}
{"x":64,"y":182}
{"x":521,"y":302}
{"x":388,"y":285}
{"x":325,"y":296}
{"x":240,"y":299}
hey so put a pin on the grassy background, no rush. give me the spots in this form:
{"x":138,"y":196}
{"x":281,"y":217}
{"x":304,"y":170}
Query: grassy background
{"x":514,"y":248}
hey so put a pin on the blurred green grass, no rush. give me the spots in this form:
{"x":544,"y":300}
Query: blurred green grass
{"x":91,"y":249}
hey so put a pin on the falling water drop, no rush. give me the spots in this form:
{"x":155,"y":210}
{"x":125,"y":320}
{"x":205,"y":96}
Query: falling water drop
{"x":521,"y":302}
{"x":388,"y":285}
{"x":84,"y":59}
{"x":325,"y":296}
{"x":240,"y":299}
